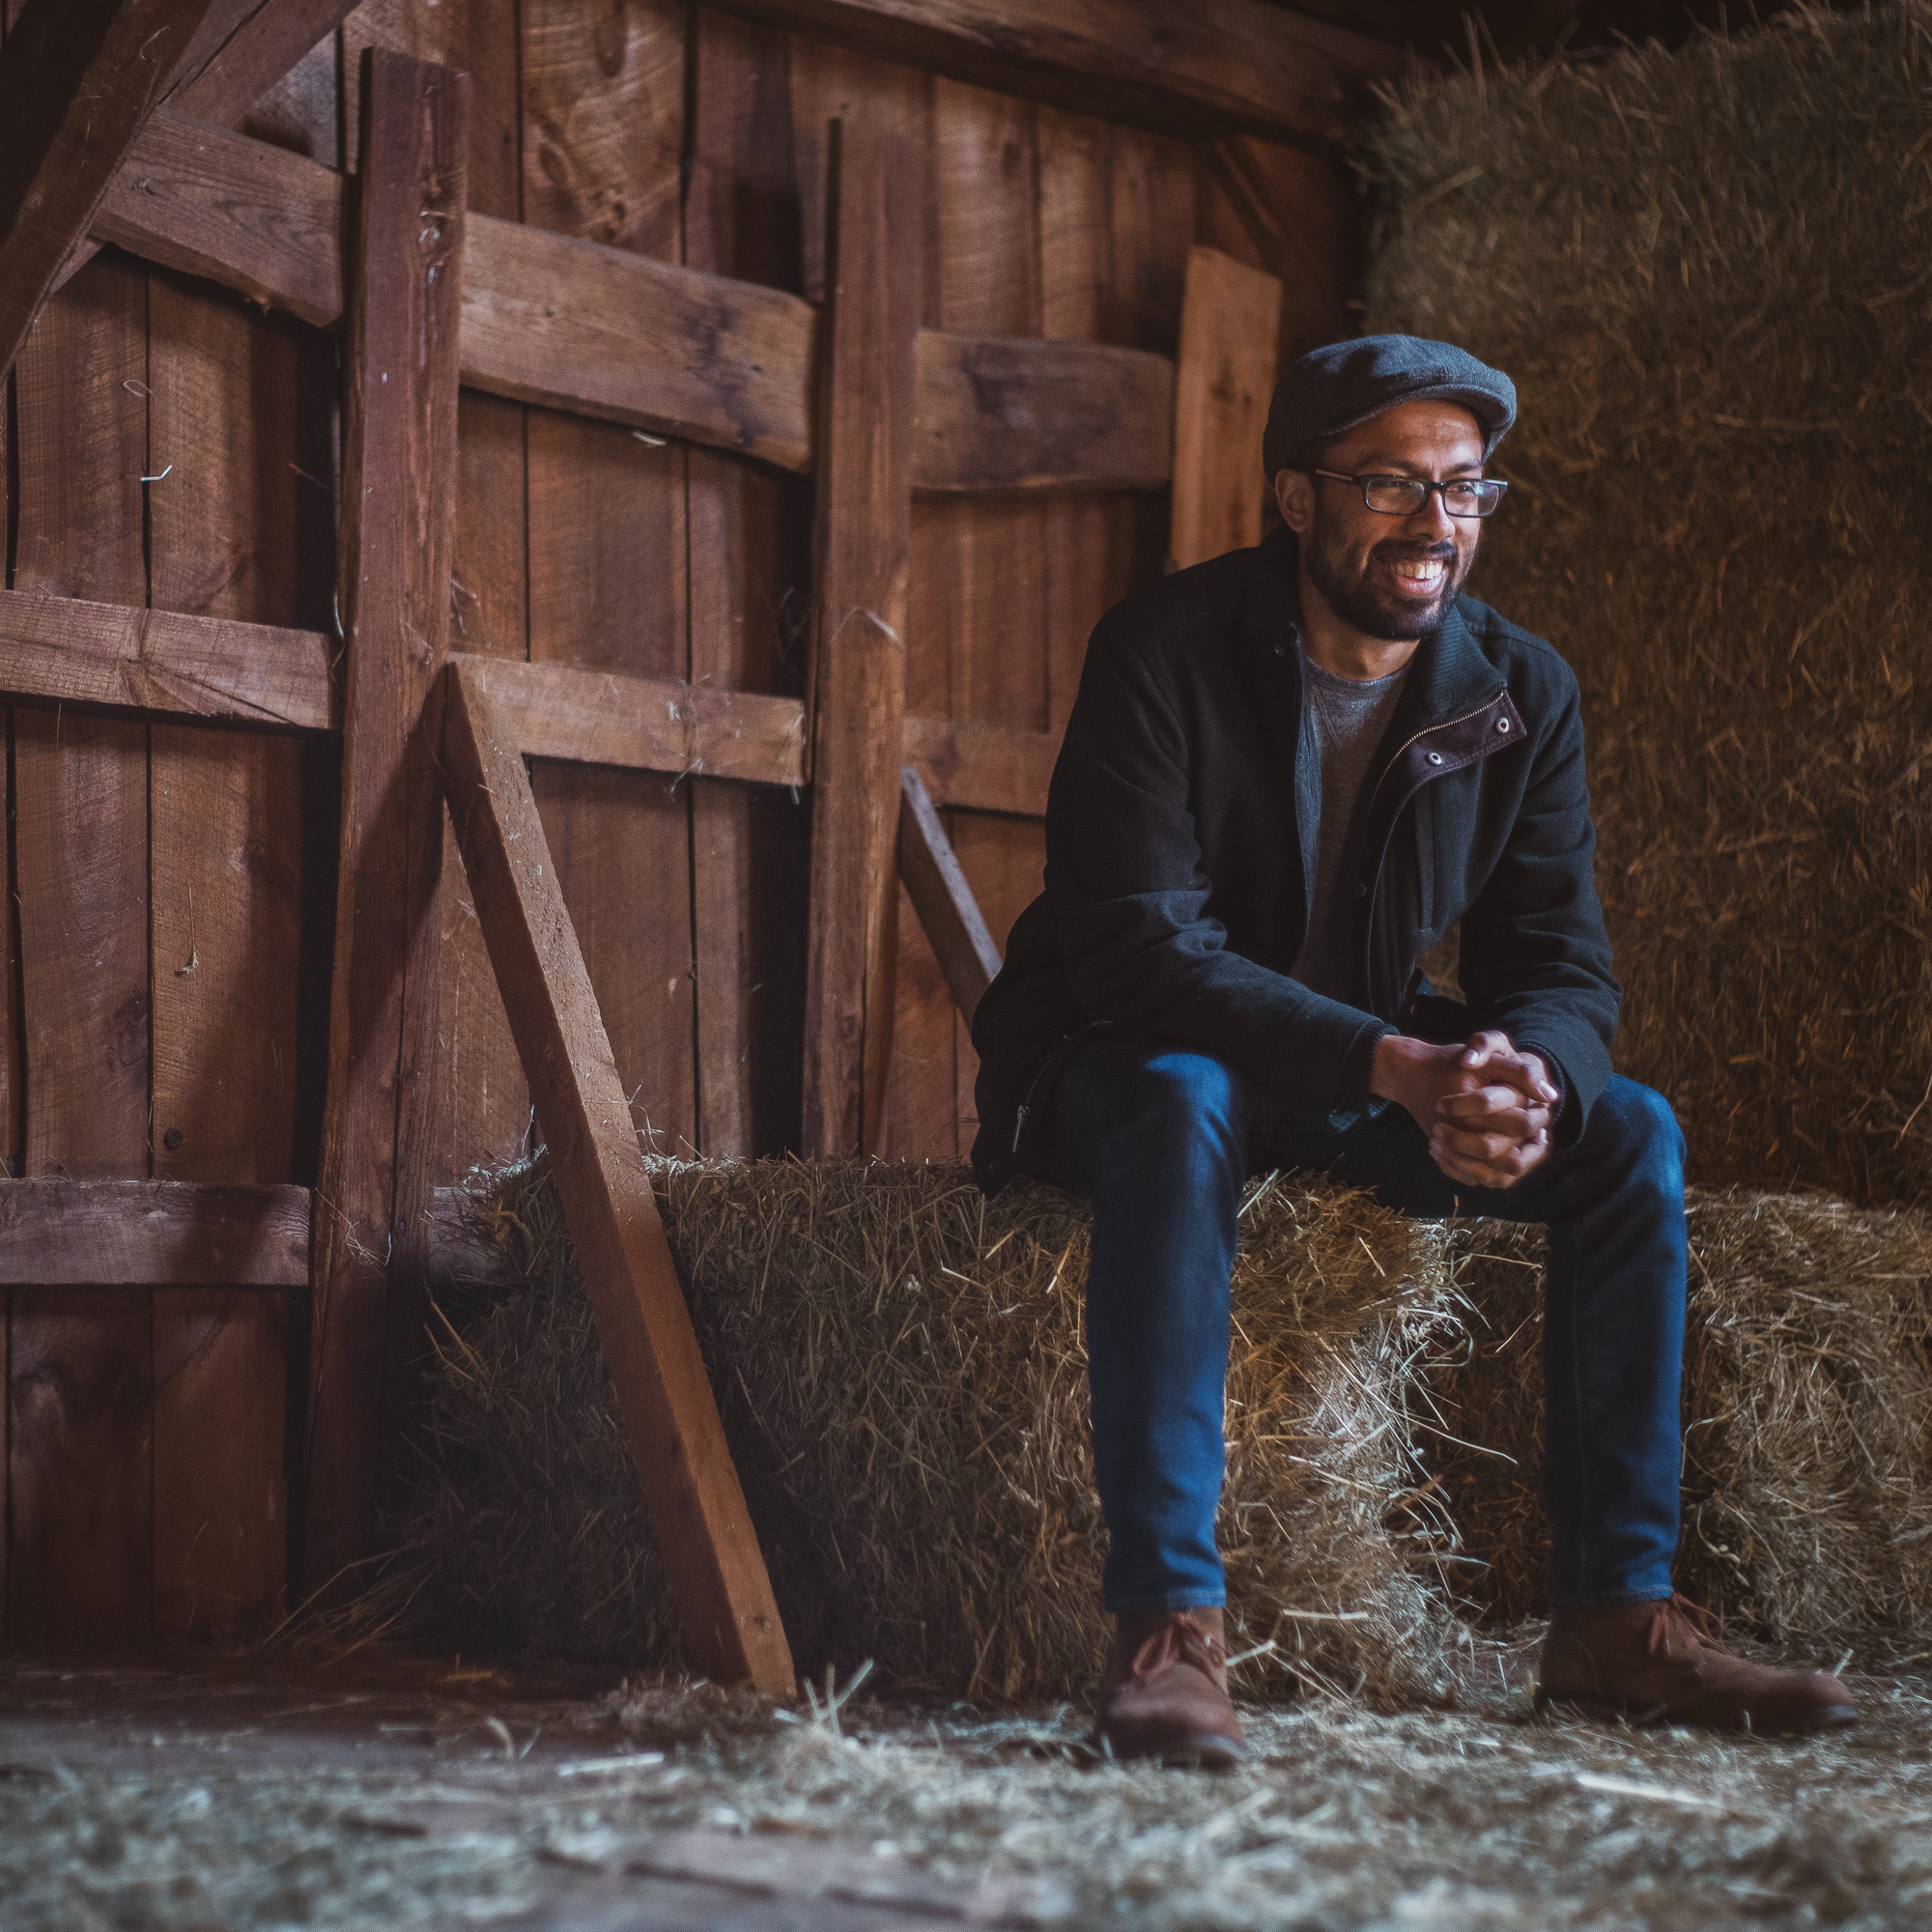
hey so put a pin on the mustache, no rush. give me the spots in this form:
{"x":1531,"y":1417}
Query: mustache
{"x":1414,"y":553}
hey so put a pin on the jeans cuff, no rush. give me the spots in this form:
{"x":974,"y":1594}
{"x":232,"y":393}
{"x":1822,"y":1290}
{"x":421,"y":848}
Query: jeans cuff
{"x":1198,"y":1598}
{"x":1608,"y":1600}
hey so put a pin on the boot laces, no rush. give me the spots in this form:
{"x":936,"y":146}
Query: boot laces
{"x":1179,"y":1640}
{"x":1677,"y":1610}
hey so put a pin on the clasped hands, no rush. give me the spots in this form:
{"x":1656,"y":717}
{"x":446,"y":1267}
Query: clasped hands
{"x":1487,"y":1108}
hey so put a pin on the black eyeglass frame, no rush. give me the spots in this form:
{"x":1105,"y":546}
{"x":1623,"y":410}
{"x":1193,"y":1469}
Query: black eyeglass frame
{"x":1428,"y":489}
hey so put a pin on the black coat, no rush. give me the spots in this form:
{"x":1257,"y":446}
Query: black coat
{"x":1181,"y":848}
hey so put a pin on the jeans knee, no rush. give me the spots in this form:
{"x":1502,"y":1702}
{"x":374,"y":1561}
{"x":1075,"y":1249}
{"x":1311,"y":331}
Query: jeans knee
{"x":1637,"y":1126}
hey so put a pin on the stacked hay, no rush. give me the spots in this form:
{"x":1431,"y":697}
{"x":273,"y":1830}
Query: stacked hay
{"x":1807,"y":1403}
{"x":901,"y":1370}
{"x":1708,"y":273}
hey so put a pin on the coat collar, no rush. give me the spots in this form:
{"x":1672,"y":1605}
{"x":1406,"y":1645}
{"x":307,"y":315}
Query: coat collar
{"x":1448,"y":676}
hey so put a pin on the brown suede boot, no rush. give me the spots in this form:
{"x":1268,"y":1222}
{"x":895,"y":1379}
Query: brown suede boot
{"x":1660,"y":1663}
{"x":1165,"y":1693}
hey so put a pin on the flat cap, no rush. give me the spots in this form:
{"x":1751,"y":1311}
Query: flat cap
{"x":1334,"y":388}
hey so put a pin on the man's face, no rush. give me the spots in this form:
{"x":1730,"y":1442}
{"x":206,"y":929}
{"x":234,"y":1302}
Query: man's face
{"x":1389,"y":578}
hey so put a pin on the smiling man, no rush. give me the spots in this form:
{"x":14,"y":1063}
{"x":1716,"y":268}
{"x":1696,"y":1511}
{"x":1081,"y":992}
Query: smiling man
{"x":1287,"y":773}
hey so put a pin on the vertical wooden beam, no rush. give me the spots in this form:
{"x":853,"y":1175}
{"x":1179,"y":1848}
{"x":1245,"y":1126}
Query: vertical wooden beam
{"x":77,"y":85}
{"x":944,"y":902}
{"x":1230,"y":325}
{"x":398,"y":520}
{"x":864,"y":536}
{"x":724,"y":1597}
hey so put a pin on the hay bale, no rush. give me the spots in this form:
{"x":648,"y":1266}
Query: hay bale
{"x":1707,"y":272}
{"x":1807,"y":1397}
{"x":901,"y":1370}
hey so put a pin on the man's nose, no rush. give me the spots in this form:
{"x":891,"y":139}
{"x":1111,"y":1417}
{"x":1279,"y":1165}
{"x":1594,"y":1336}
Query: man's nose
{"x":1433,"y":517}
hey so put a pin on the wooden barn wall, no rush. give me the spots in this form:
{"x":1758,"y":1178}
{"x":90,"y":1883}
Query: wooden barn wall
{"x":163,"y":995}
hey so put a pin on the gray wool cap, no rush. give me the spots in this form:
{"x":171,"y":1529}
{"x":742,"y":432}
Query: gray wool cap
{"x":1334,"y":388}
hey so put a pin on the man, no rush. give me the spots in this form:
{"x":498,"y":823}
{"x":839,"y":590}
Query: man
{"x":1287,"y":773}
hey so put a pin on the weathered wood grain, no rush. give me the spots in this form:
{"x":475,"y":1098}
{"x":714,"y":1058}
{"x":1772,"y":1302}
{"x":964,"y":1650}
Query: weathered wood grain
{"x":973,"y":766}
{"x":732,"y":1627}
{"x":864,"y":539}
{"x":750,"y":537}
{"x":1230,"y":325}
{"x":579,"y":325}
{"x":647,"y":724}
{"x":947,"y":909}
{"x":256,"y":53}
{"x":242,"y":213}
{"x":609,"y":540}
{"x":80,"y":1472}
{"x":1002,"y":412}
{"x":157,"y":1234}
{"x":233,"y":534}
{"x":399,"y":487}
{"x":70,"y":650}
{"x":79,"y":79}
{"x":1191,"y":65}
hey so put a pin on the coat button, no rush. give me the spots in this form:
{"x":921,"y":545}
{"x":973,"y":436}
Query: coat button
{"x":1502,"y":724}
{"x":1436,"y":757}
{"x":1361,"y":892}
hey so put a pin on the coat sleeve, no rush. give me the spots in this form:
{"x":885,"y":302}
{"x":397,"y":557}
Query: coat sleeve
{"x":1536,"y":956}
{"x":1124,"y":878}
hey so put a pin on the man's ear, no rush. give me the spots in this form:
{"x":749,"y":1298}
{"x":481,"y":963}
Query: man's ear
{"x":1295,"y":497}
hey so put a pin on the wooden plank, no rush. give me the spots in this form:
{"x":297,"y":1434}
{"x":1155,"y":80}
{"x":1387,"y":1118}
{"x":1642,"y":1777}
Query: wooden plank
{"x":1000,"y":412}
{"x":1306,"y":229}
{"x":579,"y":325}
{"x":399,"y":492}
{"x":70,"y":650}
{"x":79,"y":79}
{"x":973,"y":766}
{"x":80,"y":1455}
{"x":1194,"y":66}
{"x":944,"y":903}
{"x":242,"y":213}
{"x":1230,"y":323}
{"x":158,"y":1233}
{"x":990,"y":578}
{"x":227,"y":536}
{"x":647,"y":724}
{"x":610,"y":544}
{"x":865,"y":511}
{"x":274,"y":36}
{"x":751,"y":537}
{"x":614,"y":335}
{"x":730,"y":1624}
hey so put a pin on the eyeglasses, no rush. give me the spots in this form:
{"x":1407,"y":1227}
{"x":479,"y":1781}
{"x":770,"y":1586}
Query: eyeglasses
{"x":1405,"y":496}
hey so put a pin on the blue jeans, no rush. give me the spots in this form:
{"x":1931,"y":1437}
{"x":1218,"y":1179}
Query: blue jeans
{"x":1161,"y":1141}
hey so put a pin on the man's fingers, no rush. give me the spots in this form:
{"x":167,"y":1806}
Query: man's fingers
{"x":1497,"y":1103}
{"x":1496,"y":1055}
{"x":1484,"y":1160}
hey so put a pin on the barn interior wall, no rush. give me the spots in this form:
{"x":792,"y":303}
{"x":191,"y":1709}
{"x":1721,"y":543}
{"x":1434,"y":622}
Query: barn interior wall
{"x":167,"y":445}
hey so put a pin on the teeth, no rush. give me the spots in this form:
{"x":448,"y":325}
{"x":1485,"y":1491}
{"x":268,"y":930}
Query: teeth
{"x":1419,"y":573}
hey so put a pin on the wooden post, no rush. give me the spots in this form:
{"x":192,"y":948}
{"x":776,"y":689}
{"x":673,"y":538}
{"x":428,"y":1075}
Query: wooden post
{"x":1229,"y":326}
{"x":863,"y":538}
{"x":398,"y":523}
{"x":724,"y":1597}
{"x":943,"y":899}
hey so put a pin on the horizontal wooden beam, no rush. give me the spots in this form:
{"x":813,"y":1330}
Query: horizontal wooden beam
{"x":164,"y":664}
{"x":242,"y":213}
{"x":971,"y":767}
{"x":607,"y":333}
{"x":954,"y":927}
{"x":1189,"y":67}
{"x":648,"y":723}
{"x":1000,"y":413}
{"x":152,"y":1234}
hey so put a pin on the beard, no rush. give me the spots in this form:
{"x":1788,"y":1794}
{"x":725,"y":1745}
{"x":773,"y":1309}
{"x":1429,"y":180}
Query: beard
{"x":1355,"y":598}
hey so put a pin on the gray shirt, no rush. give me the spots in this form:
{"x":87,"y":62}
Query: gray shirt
{"x":1350,"y":719}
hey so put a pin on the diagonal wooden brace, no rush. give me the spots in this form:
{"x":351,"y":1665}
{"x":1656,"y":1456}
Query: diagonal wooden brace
{"x":703,"y":1531}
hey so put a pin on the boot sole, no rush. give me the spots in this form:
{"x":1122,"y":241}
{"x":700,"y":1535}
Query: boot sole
{"x":1202,"y":1751}
{"x":1830,"y":1718}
